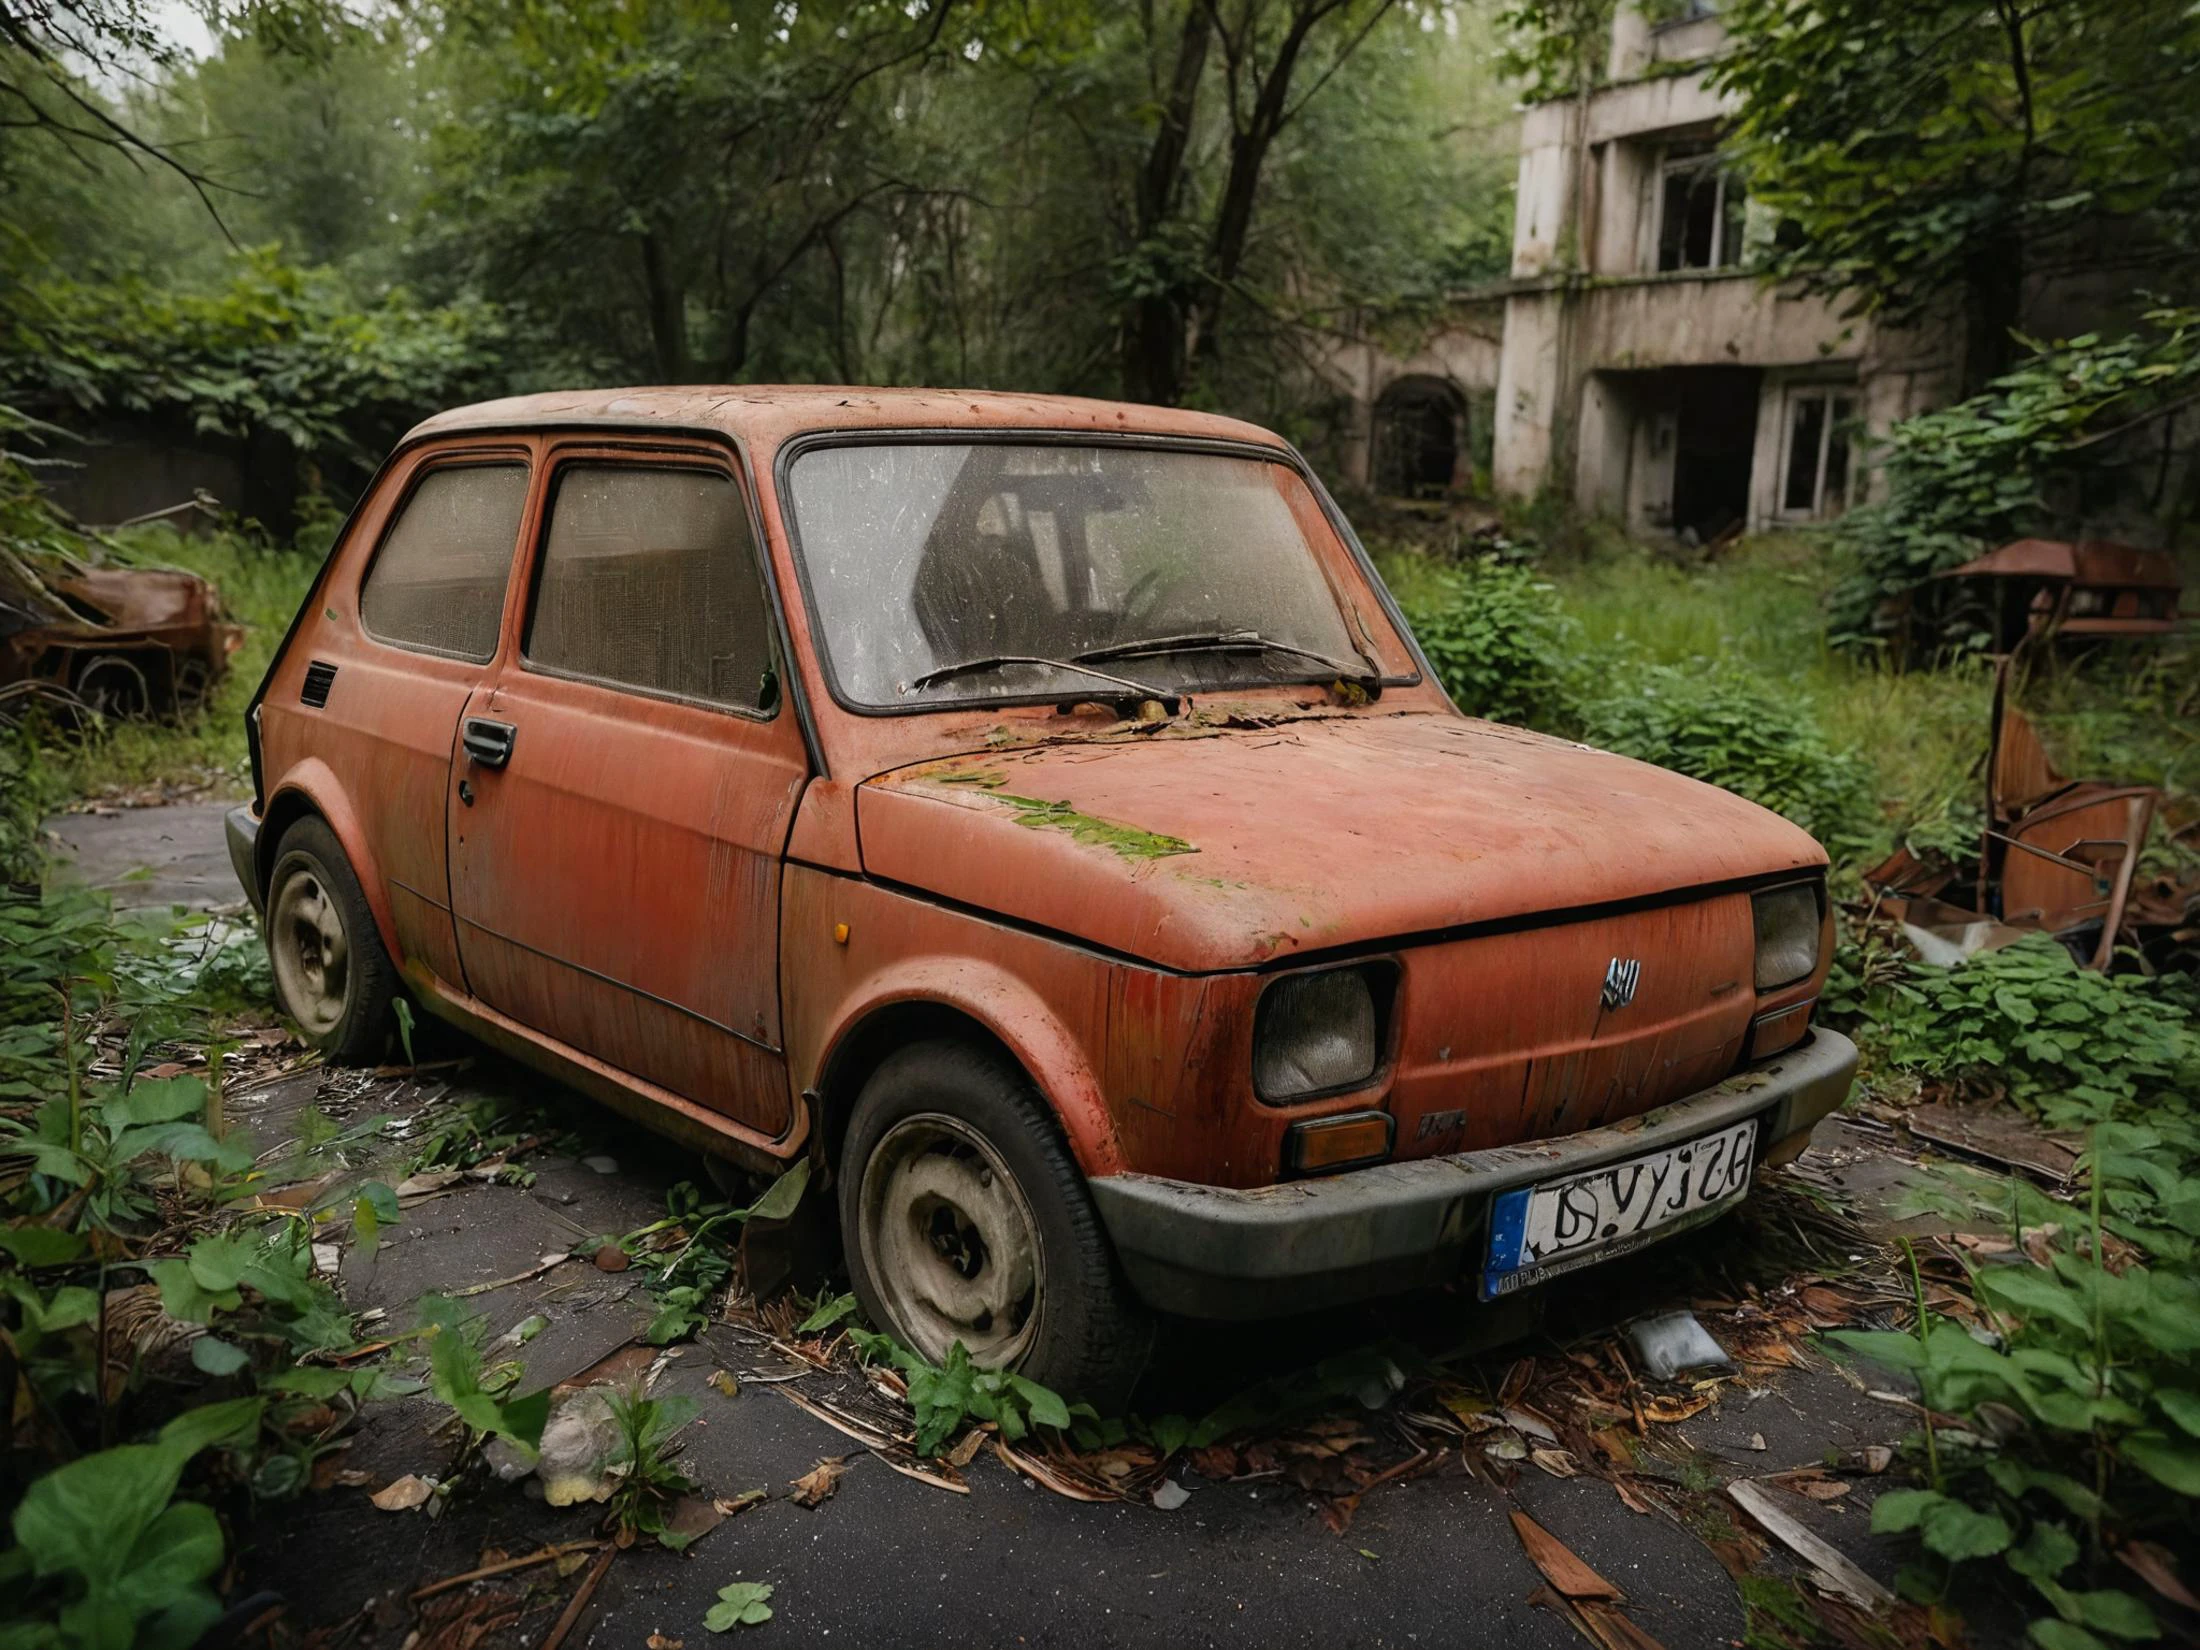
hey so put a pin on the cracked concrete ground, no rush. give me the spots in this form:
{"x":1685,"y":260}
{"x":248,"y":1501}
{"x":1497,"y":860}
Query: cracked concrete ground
{"x":889,"y":1561}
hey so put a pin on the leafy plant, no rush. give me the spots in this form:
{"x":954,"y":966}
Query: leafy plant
{"x":740,"y":1604}
{"x":688,"y":1255}
{"x":1500,"y":641}
{"x":2026,"y":456}
{"x":2084,"y":1410}
{"x":119,"y":1561}
{"x":478,"y":1397}
{"x":2068,"y":1044}
{"x":651,"y":1484}
{"x":948,"y":1396}
{"x":1715,"y":723}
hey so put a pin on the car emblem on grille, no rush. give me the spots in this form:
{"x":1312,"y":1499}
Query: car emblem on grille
{"x":1619,"y":982}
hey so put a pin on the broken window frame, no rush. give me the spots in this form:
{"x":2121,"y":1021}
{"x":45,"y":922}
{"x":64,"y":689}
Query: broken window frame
{"x":1695,"y":161}
{"x":1837,"y":426}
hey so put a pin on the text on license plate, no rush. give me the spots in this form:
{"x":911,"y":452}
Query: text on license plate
{"x":1537,"y":1231}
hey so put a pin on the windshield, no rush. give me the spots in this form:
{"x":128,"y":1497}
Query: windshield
{"x":1178,"y":571}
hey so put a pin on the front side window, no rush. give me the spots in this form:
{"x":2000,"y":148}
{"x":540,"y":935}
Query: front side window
{"x":946,"y":573}
{"x":437,"y":583}
{"x":649,"y":581}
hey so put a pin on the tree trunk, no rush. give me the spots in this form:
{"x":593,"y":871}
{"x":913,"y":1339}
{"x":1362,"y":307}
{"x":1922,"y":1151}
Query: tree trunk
{"x":667,"y":312}
{"x":1154,"y":321}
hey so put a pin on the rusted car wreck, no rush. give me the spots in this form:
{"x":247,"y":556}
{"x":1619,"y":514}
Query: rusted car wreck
{"x":1035,"y":813}
{"x":115,"y":641}
{"x":2056,"y":856}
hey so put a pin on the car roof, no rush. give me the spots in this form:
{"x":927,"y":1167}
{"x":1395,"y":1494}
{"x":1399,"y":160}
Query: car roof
{"x":767,"y":414}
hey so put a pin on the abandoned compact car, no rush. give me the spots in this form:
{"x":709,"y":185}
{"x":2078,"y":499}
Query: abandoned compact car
{"x":1036,"y":813}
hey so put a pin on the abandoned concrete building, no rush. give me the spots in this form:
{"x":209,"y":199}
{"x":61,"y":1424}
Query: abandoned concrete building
{"x":1635,"y":361}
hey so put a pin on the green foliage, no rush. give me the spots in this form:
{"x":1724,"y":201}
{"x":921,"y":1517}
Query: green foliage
{"x":2024,"y":458}
{"x":651,"y":1484}
{"x":1944,"y":147}
{"x":119,"y":1561}
{"x":2084,"y":1412}
{"x":481,"y":1398}
{"x":688,"y":1256}
{"x":740,"y":1604}
{"x":1556,"y":48}
{"x":278,"y":349}
{"x":1726,"y":727}
{"x":2068,"y":1044}
{"x":1500,"y":641}
{"x":946,"y":1397}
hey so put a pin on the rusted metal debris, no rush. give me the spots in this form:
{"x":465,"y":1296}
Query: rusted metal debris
{"x":2057,"y":856}
{"x":120,"y":642}
{"x":2047,"y":588}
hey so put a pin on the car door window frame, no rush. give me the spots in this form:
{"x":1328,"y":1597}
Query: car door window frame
{"x":706,"y":458}
{"x":517,"y":456}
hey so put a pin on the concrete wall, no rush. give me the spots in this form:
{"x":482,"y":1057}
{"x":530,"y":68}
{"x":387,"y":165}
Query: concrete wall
{"x":1463,"y":353}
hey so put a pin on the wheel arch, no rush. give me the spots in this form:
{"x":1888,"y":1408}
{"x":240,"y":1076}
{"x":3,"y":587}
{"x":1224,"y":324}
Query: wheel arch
{"x":1002,"y":1015}
{"x":311,"y":791}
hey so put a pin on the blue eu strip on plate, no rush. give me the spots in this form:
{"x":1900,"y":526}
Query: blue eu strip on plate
{"x":1508,"y":1228}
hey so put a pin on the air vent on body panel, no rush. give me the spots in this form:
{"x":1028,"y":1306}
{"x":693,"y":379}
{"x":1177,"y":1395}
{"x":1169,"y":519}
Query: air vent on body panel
{"x":319,"y":676}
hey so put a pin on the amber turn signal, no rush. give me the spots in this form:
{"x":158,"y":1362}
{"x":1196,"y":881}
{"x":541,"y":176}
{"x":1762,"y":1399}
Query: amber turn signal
{"x":1334,"y":1142}
{"x":1781,"y":1030}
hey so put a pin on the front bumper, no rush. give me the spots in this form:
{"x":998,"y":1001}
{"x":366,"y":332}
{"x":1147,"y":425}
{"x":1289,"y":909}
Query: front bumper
{"x":242,"y":827}
{"x":1211,"y":1252}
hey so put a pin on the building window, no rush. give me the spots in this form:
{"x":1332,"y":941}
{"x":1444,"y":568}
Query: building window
{"x":1700,"y":212}
{"x":1814,"y":479}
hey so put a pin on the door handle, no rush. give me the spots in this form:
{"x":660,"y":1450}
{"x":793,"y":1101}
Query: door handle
{"x":487,"y":742}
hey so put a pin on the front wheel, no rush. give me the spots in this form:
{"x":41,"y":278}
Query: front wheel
{"x":331,"y":974}
{"x":964,"y":1218}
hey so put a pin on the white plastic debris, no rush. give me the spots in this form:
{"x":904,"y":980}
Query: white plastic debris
{"x":1169,"y":1495}
{"x":1673,"y":1341}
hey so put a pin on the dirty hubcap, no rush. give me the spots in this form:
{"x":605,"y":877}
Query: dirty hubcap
{"x":311,"y":956}
{"x":950,"y":1241}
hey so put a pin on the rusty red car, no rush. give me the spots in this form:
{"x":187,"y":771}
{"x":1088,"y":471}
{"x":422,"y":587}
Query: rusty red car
{"x":1035,"y":813}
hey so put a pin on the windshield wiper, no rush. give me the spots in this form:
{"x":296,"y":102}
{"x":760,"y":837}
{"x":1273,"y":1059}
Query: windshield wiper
{"x":1078,"y":666}
{"x":1232,"y":641}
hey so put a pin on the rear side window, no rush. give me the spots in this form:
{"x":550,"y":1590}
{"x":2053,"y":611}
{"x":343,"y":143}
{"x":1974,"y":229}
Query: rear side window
{"x":438,"y":581}
{"x":649,"y":581}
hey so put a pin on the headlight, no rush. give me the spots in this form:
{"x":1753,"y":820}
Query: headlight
{"x":1315,"y":1034}
{"x":1788,"y":926}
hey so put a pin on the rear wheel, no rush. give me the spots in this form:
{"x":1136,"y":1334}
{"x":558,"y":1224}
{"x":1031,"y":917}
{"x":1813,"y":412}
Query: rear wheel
{"x":331,"y":974}
{"x":964,"y":1218}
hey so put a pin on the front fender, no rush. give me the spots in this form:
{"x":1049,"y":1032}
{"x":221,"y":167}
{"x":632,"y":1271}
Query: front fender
{"x":901,"y":952}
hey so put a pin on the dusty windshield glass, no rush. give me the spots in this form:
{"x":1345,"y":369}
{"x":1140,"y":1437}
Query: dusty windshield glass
{"x":945,"y":573}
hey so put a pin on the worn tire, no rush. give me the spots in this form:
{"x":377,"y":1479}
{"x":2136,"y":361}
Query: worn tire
{"x":309,"y":862}
{"x":1088,"y":1336}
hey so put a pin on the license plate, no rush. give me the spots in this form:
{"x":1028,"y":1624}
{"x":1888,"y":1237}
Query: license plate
{"x":1538,"y":1231}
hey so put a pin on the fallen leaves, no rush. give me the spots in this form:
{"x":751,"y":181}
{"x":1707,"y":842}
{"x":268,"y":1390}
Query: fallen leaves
{"x":406,"y":1494}
{"x":816,"y":1486}
{"x":1560,"y":1565}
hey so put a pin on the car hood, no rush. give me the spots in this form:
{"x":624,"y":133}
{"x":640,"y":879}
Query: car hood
{"x":1203,"y":848}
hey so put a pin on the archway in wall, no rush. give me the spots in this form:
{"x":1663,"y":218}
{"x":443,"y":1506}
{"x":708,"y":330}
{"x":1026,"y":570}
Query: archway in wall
{"x":1420,"y":436}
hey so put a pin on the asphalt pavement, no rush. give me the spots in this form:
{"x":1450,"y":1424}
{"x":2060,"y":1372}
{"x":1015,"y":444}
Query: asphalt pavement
{"x":892,"y":1561}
